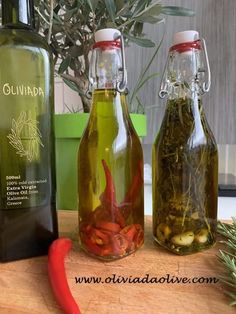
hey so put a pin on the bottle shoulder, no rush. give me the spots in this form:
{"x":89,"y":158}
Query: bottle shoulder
{"x":184,"y":125}
{"x":22,"y":37}
{"x":110,"y":119}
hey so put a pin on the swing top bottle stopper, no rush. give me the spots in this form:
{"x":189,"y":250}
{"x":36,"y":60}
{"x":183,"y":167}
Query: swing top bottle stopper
{"x":108,"y":69}
{"x":107,"y":34}
{"x":183,"y":42}
{"x":188,"y":46}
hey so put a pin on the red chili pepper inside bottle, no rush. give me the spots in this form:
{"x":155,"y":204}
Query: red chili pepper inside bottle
{"x":110,"y":160}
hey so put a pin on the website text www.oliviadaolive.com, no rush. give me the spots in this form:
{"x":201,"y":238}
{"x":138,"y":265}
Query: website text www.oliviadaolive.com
{"x":146,"y":279}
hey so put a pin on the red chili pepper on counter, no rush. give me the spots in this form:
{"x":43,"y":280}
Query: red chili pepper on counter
{"x":57,"y":275}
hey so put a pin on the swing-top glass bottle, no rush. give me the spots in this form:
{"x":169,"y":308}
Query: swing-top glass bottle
{"x":110,"y":159}
{"x":185,"y":160}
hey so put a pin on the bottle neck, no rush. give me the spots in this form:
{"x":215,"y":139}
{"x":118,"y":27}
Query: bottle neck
{"x":105,"y":66}
{"x":108,"y":103}
{"x":18,"y":14}
{"x":184,"y":75}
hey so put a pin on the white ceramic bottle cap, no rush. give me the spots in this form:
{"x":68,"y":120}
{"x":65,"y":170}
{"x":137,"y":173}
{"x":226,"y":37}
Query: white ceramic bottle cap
{"x":106,"y":34}
{"x":186,"y":36}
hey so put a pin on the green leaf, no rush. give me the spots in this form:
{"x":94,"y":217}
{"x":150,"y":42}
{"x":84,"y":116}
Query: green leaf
{"x":143,"y":42}
{"x":141,"y":4}
{"x":92,"y":4}
{"x":177,"y":11}
{"x":68,"y":15}
{"x":64,"y":65}
{"x":111,"y":8}
{"x":120,"y":4}
{"x":110,"y":24}
{"x":148,"y":19}
{"x":138,"y":29}
{"x":56,"y":9}
{"x":125,"y":10}
{"x":75,"y":51}
{"x":153,"y":9}
{"x":57,"y":28}
{"x":71,"y":85}
{"x":57,"y":18}
{"x":75,"y":64}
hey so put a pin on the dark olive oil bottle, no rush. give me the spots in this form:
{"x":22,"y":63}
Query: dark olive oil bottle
{"x":28,"y":220}
{"x":185,"y":159}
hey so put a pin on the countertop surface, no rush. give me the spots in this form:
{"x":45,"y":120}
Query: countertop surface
{"x":25,"y":287}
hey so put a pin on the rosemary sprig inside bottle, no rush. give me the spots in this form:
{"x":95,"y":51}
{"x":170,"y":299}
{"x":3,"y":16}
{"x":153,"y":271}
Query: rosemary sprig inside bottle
{"x":185,"y":163}
{"x":185,"y":159}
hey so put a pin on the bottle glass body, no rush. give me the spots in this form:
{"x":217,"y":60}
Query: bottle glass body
{"x":110,"y":177}
{"x":27,"y":204}
{"x":185,"y":165}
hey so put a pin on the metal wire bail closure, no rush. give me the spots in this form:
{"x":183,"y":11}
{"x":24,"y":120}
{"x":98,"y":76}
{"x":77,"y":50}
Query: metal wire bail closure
{"x":206,"y":85}
{"x":164,"y":85}
{"x":121,"y":86}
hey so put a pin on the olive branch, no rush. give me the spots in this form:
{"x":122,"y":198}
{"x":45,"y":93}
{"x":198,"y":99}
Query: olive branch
{"x":22,"y":124}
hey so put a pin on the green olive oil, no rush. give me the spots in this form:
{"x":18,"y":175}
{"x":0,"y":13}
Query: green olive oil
{"x":28,"y":222}
{"x":185,"y":159}
{"x":110,"y":167}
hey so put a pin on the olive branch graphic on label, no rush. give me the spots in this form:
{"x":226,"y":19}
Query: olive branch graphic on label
{"x":29,"y":127}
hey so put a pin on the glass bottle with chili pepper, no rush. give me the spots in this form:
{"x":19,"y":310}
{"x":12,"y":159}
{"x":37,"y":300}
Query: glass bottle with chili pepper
{"x":185,"y":160}
{"x":110,"y":159}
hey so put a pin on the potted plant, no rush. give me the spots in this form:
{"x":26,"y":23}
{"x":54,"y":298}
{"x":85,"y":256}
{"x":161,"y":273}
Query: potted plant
{"x":69,"y":26}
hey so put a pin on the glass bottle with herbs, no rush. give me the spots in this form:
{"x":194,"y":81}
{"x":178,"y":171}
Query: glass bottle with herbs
{"x":110,"y":159}
{"x":185,"y":159}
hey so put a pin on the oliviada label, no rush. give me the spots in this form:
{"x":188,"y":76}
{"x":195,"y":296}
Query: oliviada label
{"x":25,"y":137}
{"x":21,"y":90}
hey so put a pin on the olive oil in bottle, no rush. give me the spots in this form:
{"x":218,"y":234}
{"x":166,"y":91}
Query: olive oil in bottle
{"x":185,"y":160}
{"x":28,"y":221}
{"x":110,"y":160}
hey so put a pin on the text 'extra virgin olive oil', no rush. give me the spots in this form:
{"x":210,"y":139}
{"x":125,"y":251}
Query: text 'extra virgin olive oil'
{"x":110,"y":160}
{"x":28,"y":221}
{"x":185,"y":159}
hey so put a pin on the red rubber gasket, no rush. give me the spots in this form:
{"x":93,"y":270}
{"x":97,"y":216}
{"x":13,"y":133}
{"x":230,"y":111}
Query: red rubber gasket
{"x":107,"y":44}
{"x":183,"y":47}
